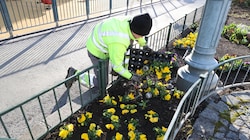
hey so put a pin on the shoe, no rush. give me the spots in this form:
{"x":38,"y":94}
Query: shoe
{"x":87,"y":80}
{"x":71,"y":72}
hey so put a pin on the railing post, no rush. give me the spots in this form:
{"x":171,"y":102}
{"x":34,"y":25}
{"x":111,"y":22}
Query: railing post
{"x":6,"y":17}
{"x":87,"y":8}
{"x":110,"y":6}
{"x":127,"y":7}
{"x":184,"y":23}
{"x":195,"y":12}
{"x":55,"y":12}
{"x":102,"y":80}
{"x":169,"y":33}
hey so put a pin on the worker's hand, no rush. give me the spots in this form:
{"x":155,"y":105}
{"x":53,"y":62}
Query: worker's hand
{"x":135,"y":78}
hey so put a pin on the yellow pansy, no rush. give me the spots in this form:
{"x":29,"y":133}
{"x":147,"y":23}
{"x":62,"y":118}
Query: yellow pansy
{"x":110,"y":126}
{"x":153,"y":119}
{"x":158,"y":74}
{"x":131,"y":135}
{"x":120,"y":98}
{"x":131,"y":96}
{"x":70,"y":127}
{"x":143,"y":137}
{"x":115,"y":118}
{"x":114,"y":102}
{"x":133,"y":111}
{"x":118,"y":136}
{"x":89,"y":114}
{"x":131,"y":127}
{"x":92,"y":126}
{"x":139,"y":72}
{"x":85,"y":136}
{"x":147,"y":90}
{"x":99,"y":132}
{"x":81,"y":119}
{"x":159,"y":137}
{"x":165,"y":70}
{"x":122,"y":106}
{"x":111,"y":110}
{"x":151,"y":112}
{"x":168,"y":77}
{"x":125,"y":111}
{"x":156,"y":92}
{"x":167,"y":97}
{"x":63,"y":133}
{"x":164,"y":129}
{"x":177,"y":95}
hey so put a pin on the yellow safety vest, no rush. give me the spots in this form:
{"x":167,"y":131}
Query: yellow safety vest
{"x":111,"y":39}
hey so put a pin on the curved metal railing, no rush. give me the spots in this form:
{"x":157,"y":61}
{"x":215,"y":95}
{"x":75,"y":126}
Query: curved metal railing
{"x":230,"y":73}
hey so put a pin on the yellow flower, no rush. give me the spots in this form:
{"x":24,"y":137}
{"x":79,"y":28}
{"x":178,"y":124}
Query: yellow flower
{"x":114,"y":102}
{"x":81,"y":119}
{"x":131,"y":96}
{"x":89,"y":115}
{"x":110,"y":126}
{"x":63,"y":133}
{"x":167,"y":97}
{"x":131,"y":127}
{"x":85,"y":136}
{"x":139,"y":72}
{"x":122,"y":106}
{"x":92,"y":126}
{"x":70,"y":127}
{"x":177,"y":95}
{"x":159,"y":83}
{"x":114,"y":118}
{"x":158,"y":74}
{"x":105,"y":99}
{"x":125,"y":111}
{"x":118,"y":136}
{"x":131,"y":135}
{"x":151,"y":112}
{"x":153,"y":119}
{"x":164,"y":129}
{"x":168,"y":77}
{"x":99,"y":132}
{"x":156,"y":92}
{"x":165,"y":70}
{"x":147,"y":90}
{"x":143,"y":137}
{"x":111,"y":110}
{"x":159,"y":137}
{"x":120,"y":98}
{"x":133,"y":111}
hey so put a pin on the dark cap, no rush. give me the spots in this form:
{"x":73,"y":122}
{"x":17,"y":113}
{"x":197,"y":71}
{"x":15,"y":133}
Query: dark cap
{"x":141,"y":24}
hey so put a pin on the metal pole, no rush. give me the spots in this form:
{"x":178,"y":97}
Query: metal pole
{"x":201,"y":59}
{"x":6,"y":17}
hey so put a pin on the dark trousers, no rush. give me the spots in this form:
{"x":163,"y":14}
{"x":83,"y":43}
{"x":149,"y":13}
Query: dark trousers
{"x":95,"y":61}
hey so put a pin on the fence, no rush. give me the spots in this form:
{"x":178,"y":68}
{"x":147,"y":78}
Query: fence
{"x":37,"y":117}
{"x":20,"y":17}
{"x":228,"y":74}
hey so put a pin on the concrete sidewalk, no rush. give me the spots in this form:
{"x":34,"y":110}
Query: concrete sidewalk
{"x":34,"y":63}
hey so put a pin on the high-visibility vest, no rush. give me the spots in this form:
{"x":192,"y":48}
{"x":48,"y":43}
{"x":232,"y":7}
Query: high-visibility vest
{"x":111,"y":39}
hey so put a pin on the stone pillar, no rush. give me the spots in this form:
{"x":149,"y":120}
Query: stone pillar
{"x":201,"y":59}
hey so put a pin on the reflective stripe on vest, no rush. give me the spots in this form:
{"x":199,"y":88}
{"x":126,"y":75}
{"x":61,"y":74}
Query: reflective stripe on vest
{"x":120,"y":72}
{"x":101,"y":45}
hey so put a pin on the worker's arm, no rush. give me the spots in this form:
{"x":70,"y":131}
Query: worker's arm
{"x":116,"y":55}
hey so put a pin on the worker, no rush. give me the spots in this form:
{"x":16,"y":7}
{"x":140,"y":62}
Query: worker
{"x":110,"y":40}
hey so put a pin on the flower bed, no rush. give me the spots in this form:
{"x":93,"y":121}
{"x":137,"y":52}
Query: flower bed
{"x":130,"y":110}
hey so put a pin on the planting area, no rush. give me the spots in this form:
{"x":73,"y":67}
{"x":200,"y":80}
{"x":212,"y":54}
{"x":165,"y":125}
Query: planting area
{"x":144,"y":110}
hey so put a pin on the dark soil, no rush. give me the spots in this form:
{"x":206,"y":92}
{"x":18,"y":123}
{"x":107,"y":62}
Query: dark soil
{"x":165,"y":109}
